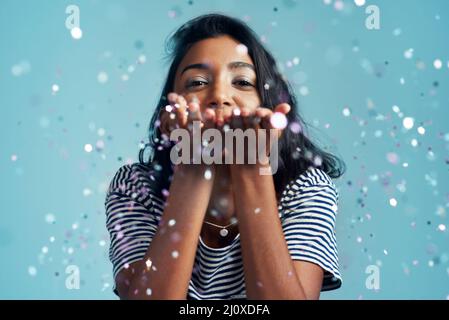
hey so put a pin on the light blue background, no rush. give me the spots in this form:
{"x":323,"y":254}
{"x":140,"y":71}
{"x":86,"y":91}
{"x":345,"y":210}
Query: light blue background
{"x":342,"y":64}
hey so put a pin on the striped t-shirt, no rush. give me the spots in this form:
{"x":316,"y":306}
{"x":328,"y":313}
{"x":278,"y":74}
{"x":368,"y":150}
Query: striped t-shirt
{"x":307,"y":209}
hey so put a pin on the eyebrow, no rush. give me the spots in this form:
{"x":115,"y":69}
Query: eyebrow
{"x":232,"y":65}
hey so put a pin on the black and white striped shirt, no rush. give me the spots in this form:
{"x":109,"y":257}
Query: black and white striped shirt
{"x":307,"y":209}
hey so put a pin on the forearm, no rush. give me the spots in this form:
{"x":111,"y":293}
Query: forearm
{"x":167,"y":266}
{"x":268,"y":267}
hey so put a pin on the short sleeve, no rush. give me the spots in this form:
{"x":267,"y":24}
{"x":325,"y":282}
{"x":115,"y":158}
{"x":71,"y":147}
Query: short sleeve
{"x":132,"y":216}
{"x":308,"y":223}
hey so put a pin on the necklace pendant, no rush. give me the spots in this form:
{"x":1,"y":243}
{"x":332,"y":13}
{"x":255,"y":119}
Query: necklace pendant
{"x":224,"y":232}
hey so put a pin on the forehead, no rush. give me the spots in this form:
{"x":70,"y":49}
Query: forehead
{"x":217,"y":51}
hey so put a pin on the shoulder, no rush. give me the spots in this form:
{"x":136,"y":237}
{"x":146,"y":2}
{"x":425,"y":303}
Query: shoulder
{"x":310,"y":184}
{"x":310,"y":178}
{"x":137,"y":180}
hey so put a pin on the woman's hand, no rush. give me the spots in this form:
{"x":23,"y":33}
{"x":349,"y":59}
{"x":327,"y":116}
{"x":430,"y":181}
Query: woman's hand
{"x":180,"y":114}
{"x":273,"y":122}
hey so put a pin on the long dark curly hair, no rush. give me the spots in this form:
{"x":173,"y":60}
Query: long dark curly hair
{"x":296,"y":151}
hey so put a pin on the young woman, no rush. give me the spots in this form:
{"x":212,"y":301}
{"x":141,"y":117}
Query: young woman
{"x":224,"y":231}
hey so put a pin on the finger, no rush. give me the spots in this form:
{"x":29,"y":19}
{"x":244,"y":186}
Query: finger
{"x":170,"y":113}
{"x":236,"y":121}
{"x":282,"y":108}
{"x":163,"y":122}
{"x":219,"y":116}
{"x":209,"y":119}
{"x":265,"y":116}
{"x":181,"y":111}
{"x":167,"y":119}
{"x":194,"y":112}
{"x":171,"y":98}
{"x":227,"y":114}
{"x":247,"y":116}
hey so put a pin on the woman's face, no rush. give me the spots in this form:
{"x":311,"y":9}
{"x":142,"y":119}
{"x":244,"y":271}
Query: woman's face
{"x":219,"y":73}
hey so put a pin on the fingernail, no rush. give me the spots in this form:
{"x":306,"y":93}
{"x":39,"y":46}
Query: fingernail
{"x":245,"y":112}
{"x":172,"y":96}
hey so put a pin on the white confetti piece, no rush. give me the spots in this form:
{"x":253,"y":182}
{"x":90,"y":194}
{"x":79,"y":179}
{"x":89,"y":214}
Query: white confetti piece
{"x":32,"y":271}
{"x":102,"y":77}
{"x":278,"y":120}
{"x":408,"y":123}
{"x":393,"y":202}
{"x":76,"y":33}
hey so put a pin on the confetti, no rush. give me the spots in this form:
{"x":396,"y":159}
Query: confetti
{"x":346,"y":112}
{"x":395,"y":144}
{"x":76,"y":33}
{"x":241,"y":49}
{"x":207,"y":174}
{"x":304,"y":91}
{"x":393,"y":158}
{"x":438,"y":64}
{"x":393,"y":202}
{"x":50,"y":218}
{"x":100,"y":144}
{"x":142,"y":59}
{"x":278,"y":120}
{"x":338,"y":5}
{"x":102,"y":77}
{"x":32,"y":271}
{"x":408,"y":123}
{"x":408,"y":54}
{"x":21,"y":68}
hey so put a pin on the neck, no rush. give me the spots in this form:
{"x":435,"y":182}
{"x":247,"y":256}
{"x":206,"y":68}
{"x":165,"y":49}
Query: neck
{"x":221,"y":204}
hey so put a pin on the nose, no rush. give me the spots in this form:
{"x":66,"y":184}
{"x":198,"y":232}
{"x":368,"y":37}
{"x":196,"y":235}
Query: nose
{"x":218,"y":96}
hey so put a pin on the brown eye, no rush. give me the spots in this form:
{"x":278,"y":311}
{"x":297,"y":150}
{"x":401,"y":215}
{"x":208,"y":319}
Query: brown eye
{"x":244,"y":83}
{"x":195,"y":83}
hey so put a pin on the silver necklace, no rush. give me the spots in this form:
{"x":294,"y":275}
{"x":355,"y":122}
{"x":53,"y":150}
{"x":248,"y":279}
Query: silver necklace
{"x":224,"y":231}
